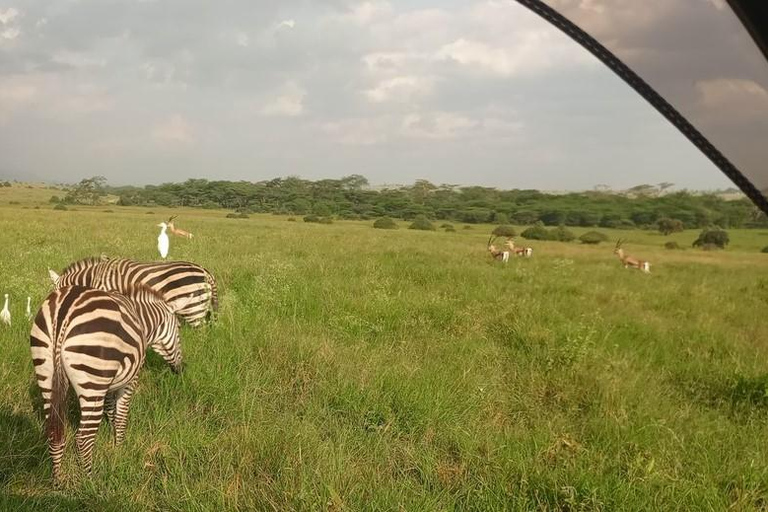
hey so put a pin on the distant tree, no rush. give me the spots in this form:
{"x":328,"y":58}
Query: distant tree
{"x":668,"y":226}
{"x":561,"y":234}
{"x":422,"y":223}
{"x":593,"y":237}
{"x":536,"y":232}
{"x":716,"y":237}
{"x":504,"y":231}
{"x":88,"y":191}
{"x":525,"y":217}
{"x":385,"y":223}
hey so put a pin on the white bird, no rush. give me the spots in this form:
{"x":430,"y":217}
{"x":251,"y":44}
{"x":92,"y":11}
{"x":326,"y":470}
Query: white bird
{"x":5,"y":315}
{"x":29,"y":308}
{"x":162,"y":240}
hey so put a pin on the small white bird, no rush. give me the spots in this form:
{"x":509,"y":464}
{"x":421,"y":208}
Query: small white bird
{"x":5,"y":314}
{"x":29,"y":308}
{"x":163,"y":242}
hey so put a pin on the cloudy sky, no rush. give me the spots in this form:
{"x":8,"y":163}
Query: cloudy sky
{"x":454,"y":91}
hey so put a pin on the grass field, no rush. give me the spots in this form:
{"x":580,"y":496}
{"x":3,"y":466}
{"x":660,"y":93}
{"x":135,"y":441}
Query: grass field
{"x":359,"y":369}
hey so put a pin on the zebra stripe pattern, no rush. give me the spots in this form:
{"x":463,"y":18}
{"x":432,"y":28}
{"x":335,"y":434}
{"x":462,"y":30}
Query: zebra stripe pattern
{"x":175,"y":281}
{"x":96,"y":342}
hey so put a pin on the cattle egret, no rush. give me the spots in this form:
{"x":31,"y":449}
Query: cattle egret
{"x":29,"y":308}
{"x":53,"y":275}
{"x":162,"y":240}
{"x":5,"y":314}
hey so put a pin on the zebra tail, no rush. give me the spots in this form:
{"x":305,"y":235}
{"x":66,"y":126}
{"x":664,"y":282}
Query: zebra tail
{"x":57,"y":411}
{"x":214,"y":291}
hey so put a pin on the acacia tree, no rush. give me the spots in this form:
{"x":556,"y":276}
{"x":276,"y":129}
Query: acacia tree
{"x":88,"y":191}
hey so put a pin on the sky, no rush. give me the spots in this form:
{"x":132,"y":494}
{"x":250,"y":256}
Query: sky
{"x":463,"y":92}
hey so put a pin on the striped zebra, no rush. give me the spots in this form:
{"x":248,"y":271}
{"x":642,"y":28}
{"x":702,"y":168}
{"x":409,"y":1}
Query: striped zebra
{"x":175,"y":281}
{"x":96,"y":342}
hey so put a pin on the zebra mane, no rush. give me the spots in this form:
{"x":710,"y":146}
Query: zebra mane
{"x":83,"y":263}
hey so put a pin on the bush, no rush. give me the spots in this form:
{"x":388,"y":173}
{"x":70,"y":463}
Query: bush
{"x":237,"y":215}
{"x":325,"y":220}
{"x":536,"y":232}
{"x":54,"y":199}
{"x":422,"y":223}
{"x":672,"y":246}
{"x":291,"y":219}
{"x":508,"y":231}
{"x":593,"y":238}
{"x":712,"y":236}
{"x":765,"y":249}
{"x":561,"y":234}
{"x":450,"y":229}
{"x":109,"y":211}
{"x":446,"y":225}
{"x":60,"y":207}
{"x":668,"y":226}
{"x":385,"y":223}
{"x":467,"y":227}
{"x":311,"y":218}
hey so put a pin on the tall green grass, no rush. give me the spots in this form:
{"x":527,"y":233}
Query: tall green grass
{"x":361,"y":369}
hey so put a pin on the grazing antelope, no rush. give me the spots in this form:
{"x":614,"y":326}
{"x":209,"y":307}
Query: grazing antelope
{"x":519,"y":251}
{"x":497,"y":254}
{"x":96,"y":341}
{"x":177,"y":231}
{"x":629,"y":261}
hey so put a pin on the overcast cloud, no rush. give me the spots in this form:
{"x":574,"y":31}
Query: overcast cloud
{"x":470,"y":92}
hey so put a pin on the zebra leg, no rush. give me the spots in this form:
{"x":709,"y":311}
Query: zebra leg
{"x":122,"y":405}
{"x":91,"y":412}
{"x":109,"y":407}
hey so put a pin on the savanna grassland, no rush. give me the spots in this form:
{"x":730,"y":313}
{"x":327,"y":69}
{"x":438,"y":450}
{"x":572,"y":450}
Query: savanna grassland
{"x":361,"y":369}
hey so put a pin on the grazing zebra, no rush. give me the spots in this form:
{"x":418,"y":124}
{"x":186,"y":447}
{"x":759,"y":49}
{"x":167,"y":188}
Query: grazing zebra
{"x":96,"y":341}
{"x":173,"y":280}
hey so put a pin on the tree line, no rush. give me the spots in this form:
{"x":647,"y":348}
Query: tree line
{"x":351,"y":197}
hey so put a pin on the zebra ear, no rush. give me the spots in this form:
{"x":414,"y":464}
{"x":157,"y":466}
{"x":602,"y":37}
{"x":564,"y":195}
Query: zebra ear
{"x":54,"y":276}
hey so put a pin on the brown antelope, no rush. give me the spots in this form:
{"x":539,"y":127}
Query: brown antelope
{"x":629,"y":261}
{"x":497,"y":254}
{"x":518,"y":251}
{"x":176,"y":231}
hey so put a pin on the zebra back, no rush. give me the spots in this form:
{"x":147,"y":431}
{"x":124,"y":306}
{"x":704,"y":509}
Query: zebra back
{"x":175,"y":281}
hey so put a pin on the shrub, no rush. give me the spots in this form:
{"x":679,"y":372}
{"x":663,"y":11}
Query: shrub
{"x":712,"y":236}
{"x":504,"y":231}
{"x":593,"y":237}
{"x":237,"y":215}
{"x":446,"y":225}
{"x":765,"y":249}
{"x":668,"y":226}
{"x":291,"y":219}
{"x":561,"y":234}
{"x":467,"y":226}
{"x":450,"y":229}
{"x":60,"y":207}
{"x":672,"y":246}
{"x":109,"y":211}
{"x":422,"y":223}
{"x":536,"y":232}
{"x":385,"y":223}
{"x":54,"y":199}
{"x":311,"y":218}
{"x":325,"y":220}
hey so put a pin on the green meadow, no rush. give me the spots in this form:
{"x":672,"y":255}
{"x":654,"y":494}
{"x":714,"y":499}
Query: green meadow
{"x":360,"y":369}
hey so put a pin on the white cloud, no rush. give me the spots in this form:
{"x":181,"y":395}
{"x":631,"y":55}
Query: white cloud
{"x":8,"y":15}
{"x":286,"y":24}
{"x":242,"y":39}
{"x":173,"y":131}
{"x":359,"y":131}
{"x":288,"y":103}
{"x":400,"y":88}
{"x":733,"y":98}
{"x":365,"y":13}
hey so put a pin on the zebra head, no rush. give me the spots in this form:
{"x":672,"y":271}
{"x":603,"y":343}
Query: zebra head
{"x":165,"y":340}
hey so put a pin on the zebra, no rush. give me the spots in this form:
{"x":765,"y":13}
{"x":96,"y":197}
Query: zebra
{"x":96,"y":341}
{"x":173,"y":280}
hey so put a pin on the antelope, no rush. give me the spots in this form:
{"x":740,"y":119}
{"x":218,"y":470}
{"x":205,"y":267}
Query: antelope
{"x":176,"y":231}
{"x":629,"y":261}
{"x":497,"y":254}
{"x":518,"y":251}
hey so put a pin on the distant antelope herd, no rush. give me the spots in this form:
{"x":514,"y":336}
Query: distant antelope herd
{"x":509,"y":248}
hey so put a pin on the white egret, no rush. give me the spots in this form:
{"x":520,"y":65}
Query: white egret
{"x":5,"y":314}
{"x":163,"y":242}
{"x":29,"y":308}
